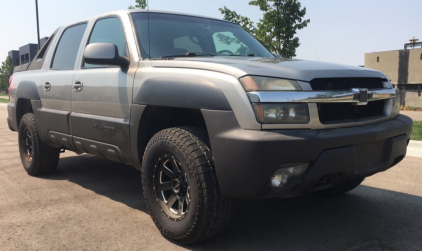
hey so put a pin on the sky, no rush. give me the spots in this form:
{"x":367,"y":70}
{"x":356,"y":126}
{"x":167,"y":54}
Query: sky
{"x":339,"y":31}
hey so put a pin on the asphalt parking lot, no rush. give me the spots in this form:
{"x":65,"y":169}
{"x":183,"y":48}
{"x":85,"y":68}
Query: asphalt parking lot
{"x":95,"y":204}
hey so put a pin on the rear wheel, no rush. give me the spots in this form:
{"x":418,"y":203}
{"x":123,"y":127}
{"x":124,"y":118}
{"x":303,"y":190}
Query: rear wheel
{"x":180,"y":187}
{"x":342,"y":188}
{"x":37,"y":157}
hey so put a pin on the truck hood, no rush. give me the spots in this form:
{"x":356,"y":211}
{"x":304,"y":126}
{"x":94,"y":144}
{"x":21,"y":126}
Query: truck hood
{"x":303,"y":70}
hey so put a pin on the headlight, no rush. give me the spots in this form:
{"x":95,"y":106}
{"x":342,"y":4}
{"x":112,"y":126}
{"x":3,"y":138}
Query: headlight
{"x":387,"y":84}
{"x":255,"y":83}
{"x":282,"y":113}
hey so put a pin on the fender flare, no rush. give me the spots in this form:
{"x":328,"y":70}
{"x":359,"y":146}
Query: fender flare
{"x":181,"y":93}
{"x":27,"y":90}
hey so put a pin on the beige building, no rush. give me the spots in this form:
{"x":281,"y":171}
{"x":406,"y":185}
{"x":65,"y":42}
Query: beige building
{"x":415,"y":66}
{"x":403,"y":68}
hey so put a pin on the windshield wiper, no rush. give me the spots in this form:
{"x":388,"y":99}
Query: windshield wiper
{"x":189,"y":54}
{"x":249,"y":55}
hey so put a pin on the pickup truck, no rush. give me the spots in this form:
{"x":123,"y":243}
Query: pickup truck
{"x":205,"y":112}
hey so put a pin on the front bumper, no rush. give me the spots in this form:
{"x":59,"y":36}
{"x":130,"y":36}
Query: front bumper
{"x":245,"y":160}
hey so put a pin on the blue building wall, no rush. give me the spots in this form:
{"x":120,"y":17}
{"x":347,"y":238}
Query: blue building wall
{"x":14,"y":55}
{"x":42,"y":41}
{"x":26,"y":53}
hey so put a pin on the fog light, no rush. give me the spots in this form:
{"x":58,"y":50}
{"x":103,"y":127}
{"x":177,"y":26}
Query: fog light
{"x":287,"y":173}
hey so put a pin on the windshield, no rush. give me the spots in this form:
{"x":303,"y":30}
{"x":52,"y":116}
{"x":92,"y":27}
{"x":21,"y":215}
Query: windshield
{"x":166,"y":35}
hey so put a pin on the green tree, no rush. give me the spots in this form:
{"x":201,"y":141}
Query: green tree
{"x":277,"y":28}
{"x":233,"y":17}
{"x":6,"y":71}
{"x":140,"y":4}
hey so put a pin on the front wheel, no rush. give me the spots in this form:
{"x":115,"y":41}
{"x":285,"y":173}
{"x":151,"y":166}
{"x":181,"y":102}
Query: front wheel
{"x":37,"y":157}
{"x":180,"y":188}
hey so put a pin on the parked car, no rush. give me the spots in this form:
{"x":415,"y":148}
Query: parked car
{"x":205,"y":112}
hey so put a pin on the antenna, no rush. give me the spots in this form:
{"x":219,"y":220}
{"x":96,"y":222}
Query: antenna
{"x":413,"y":42}
{"x":38,"y":24}
{"x":317,"y":56}
{"x":147,"y":5}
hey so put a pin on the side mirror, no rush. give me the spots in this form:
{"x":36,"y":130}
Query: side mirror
{"x":104,"y":54}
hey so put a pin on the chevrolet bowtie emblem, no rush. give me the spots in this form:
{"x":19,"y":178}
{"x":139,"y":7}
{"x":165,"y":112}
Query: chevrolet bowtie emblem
{"x":361,"y":96}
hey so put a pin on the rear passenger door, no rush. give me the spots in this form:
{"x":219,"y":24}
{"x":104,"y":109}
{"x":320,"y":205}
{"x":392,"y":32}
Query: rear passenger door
{"x":101,"y":97}
{"x":55,"y":89}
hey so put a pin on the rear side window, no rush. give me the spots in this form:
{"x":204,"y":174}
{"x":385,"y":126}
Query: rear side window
{"x":109,"y":30}
{"x":67,"y":49}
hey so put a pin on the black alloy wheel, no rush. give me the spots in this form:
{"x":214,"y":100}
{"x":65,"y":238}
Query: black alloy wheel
{"x":28,"y":145}
{"x":171,"y":187}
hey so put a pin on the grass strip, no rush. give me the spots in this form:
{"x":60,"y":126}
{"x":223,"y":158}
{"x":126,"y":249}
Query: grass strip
{"x":417,"y":130}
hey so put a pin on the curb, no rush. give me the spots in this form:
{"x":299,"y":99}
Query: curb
{"x":414,"y":149}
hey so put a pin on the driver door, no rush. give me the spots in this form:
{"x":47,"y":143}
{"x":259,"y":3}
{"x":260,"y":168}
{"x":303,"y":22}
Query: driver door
{"x":101,"y":98}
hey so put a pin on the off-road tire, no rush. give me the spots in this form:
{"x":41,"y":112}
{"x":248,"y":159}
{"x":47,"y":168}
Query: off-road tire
{"x":342,"y":188}
{"x":208,"y":213}
{"x":43,"y":159}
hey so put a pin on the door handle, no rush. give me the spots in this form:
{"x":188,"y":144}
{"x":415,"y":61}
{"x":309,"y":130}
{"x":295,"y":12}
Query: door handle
{"x":77,"y":86}
{"x":47,"y":86}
